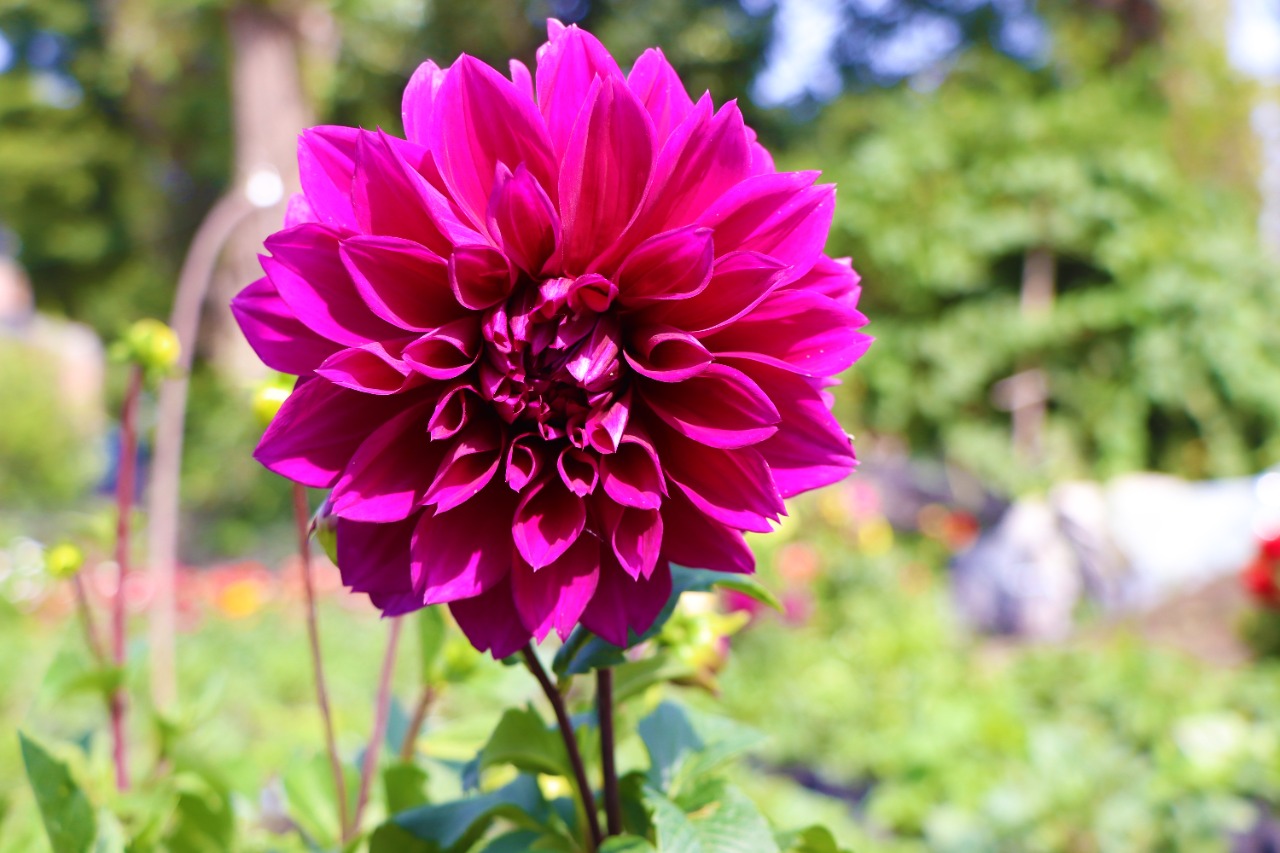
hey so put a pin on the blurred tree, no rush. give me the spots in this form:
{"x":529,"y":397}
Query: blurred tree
{"x":1113,"y":189}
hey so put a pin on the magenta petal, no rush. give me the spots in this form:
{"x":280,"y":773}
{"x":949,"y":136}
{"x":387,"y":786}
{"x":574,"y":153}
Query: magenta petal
{"x":447,"y":352}
{"x":636,"y":538}
{"x":567,"y":65}
{"x":801,"y":330}
{"x":667,"y":355}
{"x":548,"y":520}
{"x":482,"y":120}
{"x":605,"y":172}
{"x":393,"y":199}
{"x":417,"y":107}
{"x":526,"y":457}
{"x":491,"y":621}
{"x":578,"y":471}
{"x":719,"y":407}
{"x":739,"y":282}
{"x":522,"y":215}
{"x":622,"y":609}
{"x":522,"y":78}
{"x":452,"y":412}
{"x":555,"y":595}
{"x":401,"y":282}
{"x":480,"y":276}
{"x":779,"y":215}
{"x":673,"y":265}
{"x":605,"y":426}
{"x":632,"y":476}
{"x":369,"y":369}
{"x":693,"y":539}
{"x":468,"y":466}
{"x":374,"y":558}
{"x":319,"y":427}
{"x":734,"y":487}
{"x":326,"y":163}
{"x":299,"y":211}
{"x":387,"y":475}
{"x":704,"y":157}
{"x":466,"y":551}
{"x":307,"y":271}
{"x":658,"y":87}
{"x":279,"y":338}
{"x":834,"y":278}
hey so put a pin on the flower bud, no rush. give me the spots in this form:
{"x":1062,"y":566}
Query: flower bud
{"x":267,"y":400}
{"x":63,"y":561}
{"x":151,"y":345}
{"x":325,"y":525}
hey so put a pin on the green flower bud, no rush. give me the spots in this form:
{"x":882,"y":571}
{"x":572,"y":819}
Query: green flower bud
{"x":267,"y":400}
{"x":63,"y":561}
{"x":325,"y":525}
{"x":152,"y":345}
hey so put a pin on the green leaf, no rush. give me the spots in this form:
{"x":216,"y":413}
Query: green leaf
{"x":405,"y":785}
{"x":723,"y":820}
{"x":431,"y":635}
{"x":313,"y":801}
{"x":390,"y":838}
{"x":814,"y":839}
{"x":520,"y":841}
{"x":68,"y":817}
{"x":627,"y":844}
{"x":522,"y":740}
{"x":71,"y":674}
{"x":204,"y":820}
{"x":584,"y":651}
{"x":459,"y":824}
{"x":635,"y":677}
{"x":669,"y":737}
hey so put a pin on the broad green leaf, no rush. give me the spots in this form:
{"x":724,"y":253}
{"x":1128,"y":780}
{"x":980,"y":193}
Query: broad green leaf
{"x":722,"y":821}
{"x":627,"y":844}
{"x":390,"y":838}
{"x":405,"y":785}
{"x":635,"y":677}
{"x":71,"y":673}
{"x":205,"y":822}
{"x":670,"y":738}
{"x":520,"y":841}
{"x":524,"y":741}
{"x":111,"y":836}
{"x":431,"y":635}
{"x":457,"y":825}
{"x":68,"y":817}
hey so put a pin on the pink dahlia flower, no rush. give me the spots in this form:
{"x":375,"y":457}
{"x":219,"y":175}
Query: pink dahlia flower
{"x":570,"y":331}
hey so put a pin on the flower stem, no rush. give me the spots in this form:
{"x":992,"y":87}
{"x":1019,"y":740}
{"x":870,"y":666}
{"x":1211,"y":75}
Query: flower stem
{"x":570,"y":743}
{"x":604,"y":712}
{"x":409,"y":745}
{"x":126,"y":470}
{"x":381,"y":712}
{"x":301,"y":516}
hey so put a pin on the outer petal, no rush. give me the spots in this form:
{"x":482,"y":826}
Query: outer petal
{"x":482,"y":120}
{"x":388,"y":474}
{"x":779,"y":215}
{"x":522,"y":216}
{"x":548,"y":520}
{"x":673,"y":265}
{"x":467,"y":551}
{"x":392,"y":198}
{"x":326,"y":164}
{"x":555,"y":595}
{"x":417,"y":108}
{"x":633,"y":476}
{"x":734,"y":487}
{"x":739,"y":282}
{"x":667,"y":355}
{"x":318,"y":429}
{"x":374,"y":558}
{"x":691,"y":538}
{"x":801,"y":330}
{"x":832,"y":277}
{"x":447,"y":352}
{"x":369,"y":369}
{"x":469,"y":465}
{"x":491,"y":621}
{"x":635,"y":535}
{"x":567,"y":65}
{"x":308,"y":273}
{"x":622,"y":609}
{"x":605,"y":171}
{"x":718,"y":407}
{"x":402,"y":282}
{"x":658,"y":87}
{"x":279,"y":338}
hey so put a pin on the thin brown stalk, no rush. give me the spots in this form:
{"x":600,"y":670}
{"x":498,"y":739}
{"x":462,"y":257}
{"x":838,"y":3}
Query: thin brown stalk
{"x":302,"y":519}
{"x":126,"y":470}
{"x":381,"y":712}
{"x":604,"y":712}
{"x":570,"y":744}
{"x":409,"y":745}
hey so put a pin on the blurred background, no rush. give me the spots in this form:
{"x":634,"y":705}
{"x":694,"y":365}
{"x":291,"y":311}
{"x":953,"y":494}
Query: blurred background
{"x":1042,"y":614}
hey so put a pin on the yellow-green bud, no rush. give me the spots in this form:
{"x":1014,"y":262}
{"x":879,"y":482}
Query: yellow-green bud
{"x":267,"y":400}
{"x":152,"y":345}
{"x":325,"y":526}
{"x":63,"y":561}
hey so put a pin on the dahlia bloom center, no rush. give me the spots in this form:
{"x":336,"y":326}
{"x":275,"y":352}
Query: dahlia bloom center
{"x":553,"y":356}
